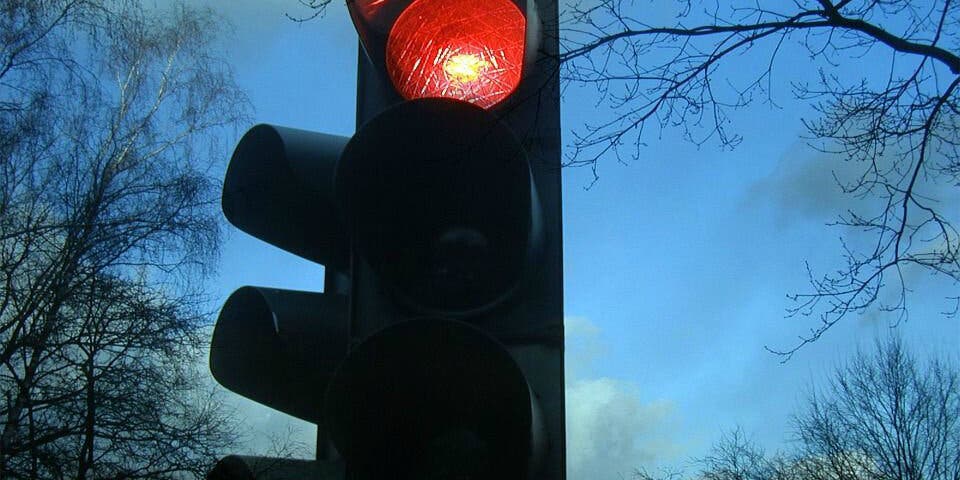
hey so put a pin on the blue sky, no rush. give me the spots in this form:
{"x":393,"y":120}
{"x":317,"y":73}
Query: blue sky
{"x":676,"y":265}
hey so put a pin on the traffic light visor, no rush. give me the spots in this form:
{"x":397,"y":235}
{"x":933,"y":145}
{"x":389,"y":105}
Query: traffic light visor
{"x":278,"y":188}
{"x":280,"y":347}
{"x":471,"y":50}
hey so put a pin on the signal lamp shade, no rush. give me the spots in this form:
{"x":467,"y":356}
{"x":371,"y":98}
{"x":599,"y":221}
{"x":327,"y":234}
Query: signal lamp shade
{"x":280,"y":347}
{"x":470,"y":50}
{"x":279,"y":188}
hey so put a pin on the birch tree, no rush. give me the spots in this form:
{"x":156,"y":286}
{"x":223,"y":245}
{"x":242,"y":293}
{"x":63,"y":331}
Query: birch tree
{"x":110,"y":119}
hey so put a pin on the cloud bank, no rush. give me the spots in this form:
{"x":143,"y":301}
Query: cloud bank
{"x":611,"y":429}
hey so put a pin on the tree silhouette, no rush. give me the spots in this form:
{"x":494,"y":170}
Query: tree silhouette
{"x":900,"y":129}
{"x":882,"y":415}
{"x":885,"y":415}
{"x":109,"y":115}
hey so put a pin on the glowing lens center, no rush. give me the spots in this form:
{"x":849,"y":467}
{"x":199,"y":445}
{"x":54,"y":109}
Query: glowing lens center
{"x":465,"y":67}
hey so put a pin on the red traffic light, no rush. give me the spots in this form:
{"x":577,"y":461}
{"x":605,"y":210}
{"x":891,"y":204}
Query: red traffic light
{"x":470,"y":50}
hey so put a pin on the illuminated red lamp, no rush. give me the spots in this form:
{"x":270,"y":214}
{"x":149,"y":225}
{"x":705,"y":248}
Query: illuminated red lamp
{"x":469,"y":50}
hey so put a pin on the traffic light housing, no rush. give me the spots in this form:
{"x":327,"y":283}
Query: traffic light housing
{"x":436,"y":349}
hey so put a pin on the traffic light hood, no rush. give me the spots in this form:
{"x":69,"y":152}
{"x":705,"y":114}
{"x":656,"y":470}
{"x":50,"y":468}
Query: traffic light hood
{"x":279,"y":188}
{"x":280,"y":347}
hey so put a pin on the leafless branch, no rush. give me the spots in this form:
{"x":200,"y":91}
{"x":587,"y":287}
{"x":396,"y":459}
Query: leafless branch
{"x":902,"y":129}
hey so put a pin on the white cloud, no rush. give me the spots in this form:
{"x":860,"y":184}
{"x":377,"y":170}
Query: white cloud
{"x":611,"y":432}
{"x":611,"y":429}
{"x":804,"y":186}
{"x":582,"y":346}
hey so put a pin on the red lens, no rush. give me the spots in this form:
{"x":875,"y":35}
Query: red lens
{"x":469,"y":50}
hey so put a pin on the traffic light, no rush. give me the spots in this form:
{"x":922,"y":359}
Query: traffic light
{"x":281,"y":347}
{"x":436,"y":349}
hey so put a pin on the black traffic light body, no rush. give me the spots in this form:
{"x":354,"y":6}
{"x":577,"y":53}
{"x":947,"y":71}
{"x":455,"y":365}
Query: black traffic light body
{"x":436,"y":350}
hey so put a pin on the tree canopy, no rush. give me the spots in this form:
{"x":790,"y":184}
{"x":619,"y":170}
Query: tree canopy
{"x":110,"y":113}
{"x":884,"y":414}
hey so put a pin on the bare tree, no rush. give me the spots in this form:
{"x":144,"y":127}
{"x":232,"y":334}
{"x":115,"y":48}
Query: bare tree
{"x":317,"y":9}
{"x":885,"y":416}
{"x":882,"y":415}
{"x":109,"y":115}
{"x":118,"y":394}
{"x":734,"y":456}
{"x":901,"y":129}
